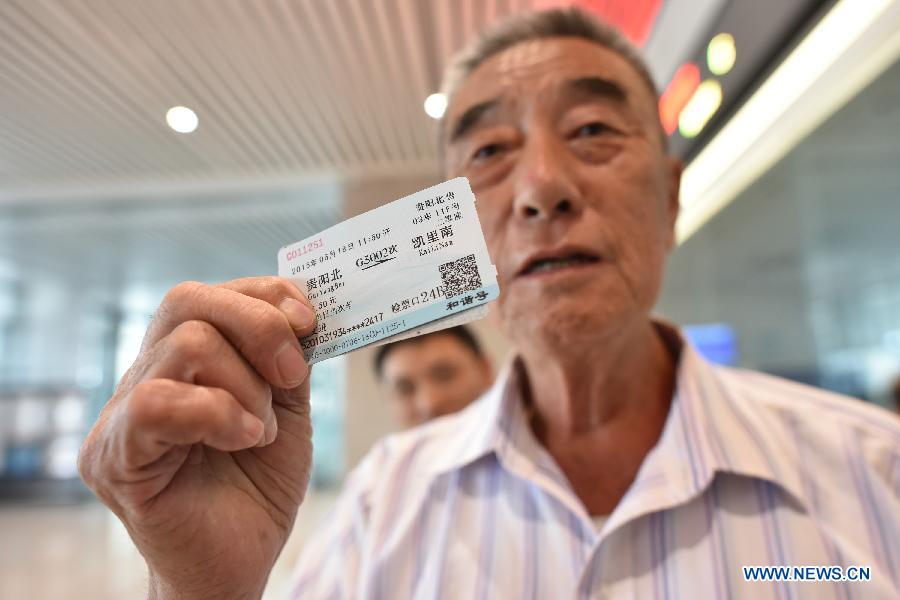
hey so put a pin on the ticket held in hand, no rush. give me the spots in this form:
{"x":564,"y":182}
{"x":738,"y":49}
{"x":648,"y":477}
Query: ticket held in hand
{"x":415,"y":265}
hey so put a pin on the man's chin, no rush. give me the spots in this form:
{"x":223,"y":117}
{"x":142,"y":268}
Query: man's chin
{"x":561,"y":322}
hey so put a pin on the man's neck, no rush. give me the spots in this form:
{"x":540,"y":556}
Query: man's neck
{"x":599,"y":410}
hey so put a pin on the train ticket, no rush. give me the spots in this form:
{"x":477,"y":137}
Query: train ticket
{"x":414,"y":265}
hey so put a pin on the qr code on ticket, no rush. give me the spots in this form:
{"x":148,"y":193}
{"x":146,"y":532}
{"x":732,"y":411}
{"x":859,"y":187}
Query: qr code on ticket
{"x":460,"y":276}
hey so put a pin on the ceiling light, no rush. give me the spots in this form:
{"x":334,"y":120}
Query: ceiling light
{"x":700,"y":108}
{"x":853,"y":44}
{"x":435,"y":105}
{"x":182,"y":119}
{"x":721,"y":54}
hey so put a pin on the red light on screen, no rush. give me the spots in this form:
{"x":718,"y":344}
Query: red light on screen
{"x":635,"y":18}
{"x":683,"y":85}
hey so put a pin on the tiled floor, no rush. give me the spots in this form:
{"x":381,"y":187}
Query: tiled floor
{"x":77,"y":552}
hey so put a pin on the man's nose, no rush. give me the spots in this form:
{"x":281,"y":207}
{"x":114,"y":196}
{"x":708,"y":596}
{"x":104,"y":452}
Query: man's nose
{"x":544,"y":188}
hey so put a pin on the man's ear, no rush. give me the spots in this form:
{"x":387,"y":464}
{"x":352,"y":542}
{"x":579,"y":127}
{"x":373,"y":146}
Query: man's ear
{"x":674,"y":170}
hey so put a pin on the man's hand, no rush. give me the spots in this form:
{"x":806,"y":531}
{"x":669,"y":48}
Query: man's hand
{"x":205,"y":448}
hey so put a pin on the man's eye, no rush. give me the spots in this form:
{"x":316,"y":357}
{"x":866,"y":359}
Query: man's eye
{"x":591,"y":129}
{"x":486,"y":151}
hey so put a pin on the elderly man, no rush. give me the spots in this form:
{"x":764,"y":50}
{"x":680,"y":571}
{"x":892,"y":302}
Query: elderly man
{"x":609,"y":460}
{"x":432,"y":375}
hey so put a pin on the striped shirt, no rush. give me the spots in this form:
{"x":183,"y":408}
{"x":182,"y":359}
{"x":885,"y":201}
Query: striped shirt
{"x":750,"y":470}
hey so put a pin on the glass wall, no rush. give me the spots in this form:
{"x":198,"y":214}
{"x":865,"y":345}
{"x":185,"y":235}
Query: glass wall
{"x":802,"y":270}
{"x":77,"y":292}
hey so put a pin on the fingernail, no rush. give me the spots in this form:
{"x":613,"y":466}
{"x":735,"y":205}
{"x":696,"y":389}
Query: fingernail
{"x":291,"y":364}
{"x":299,"y":315}
{"x":253,"y":427}
{"x":271,"y":429}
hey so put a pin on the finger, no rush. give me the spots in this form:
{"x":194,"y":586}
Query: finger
{"x":162,"y":413}
{"x":195,"y":352}
{"x":282,"y":294}
{"x":258,"y":330}
{"x":288,"y":459}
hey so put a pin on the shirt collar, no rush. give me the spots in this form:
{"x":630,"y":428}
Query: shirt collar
{"x":486,"y":424}
{"x":724,"y":429}
{"x":712,"y":427}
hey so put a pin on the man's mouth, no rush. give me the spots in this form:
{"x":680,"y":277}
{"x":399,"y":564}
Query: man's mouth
{"x":556,"y":263}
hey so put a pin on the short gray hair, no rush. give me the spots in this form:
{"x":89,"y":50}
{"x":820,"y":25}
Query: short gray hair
{"x":559,"y":22}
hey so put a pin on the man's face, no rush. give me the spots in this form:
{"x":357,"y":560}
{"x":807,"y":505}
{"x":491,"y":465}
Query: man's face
{"x":432,"y":376}
{"x":561,"y":143}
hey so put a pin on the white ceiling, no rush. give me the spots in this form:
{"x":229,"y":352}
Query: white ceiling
{"x":281,"y":88}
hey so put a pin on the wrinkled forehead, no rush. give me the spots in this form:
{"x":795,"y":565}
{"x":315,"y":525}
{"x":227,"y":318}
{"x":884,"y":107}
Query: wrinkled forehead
{"x":538,"y":70}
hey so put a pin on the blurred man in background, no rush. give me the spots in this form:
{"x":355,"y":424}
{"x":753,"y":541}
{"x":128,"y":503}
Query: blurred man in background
{"x":432,"y":375}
